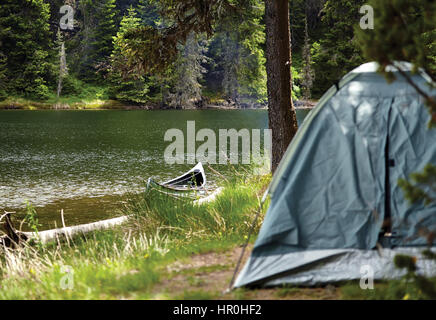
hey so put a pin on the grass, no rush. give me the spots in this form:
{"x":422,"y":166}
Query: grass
{"x":84,"y":96}
{"x":229,"y":214}
{"x":286,"y":291}
{"x":400,"y":289}
{"x":127,"y":262}
{"x":73,"y":103}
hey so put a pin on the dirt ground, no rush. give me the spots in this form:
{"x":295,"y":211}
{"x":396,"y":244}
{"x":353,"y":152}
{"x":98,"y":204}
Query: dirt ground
{"x":207,"y":276}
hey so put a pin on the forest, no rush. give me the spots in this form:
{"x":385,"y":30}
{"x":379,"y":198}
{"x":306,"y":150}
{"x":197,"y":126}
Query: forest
{"x":40,"y":61}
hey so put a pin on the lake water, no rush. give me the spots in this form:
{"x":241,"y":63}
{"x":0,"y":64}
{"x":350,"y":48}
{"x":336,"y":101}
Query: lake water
{"x":85,"y":162}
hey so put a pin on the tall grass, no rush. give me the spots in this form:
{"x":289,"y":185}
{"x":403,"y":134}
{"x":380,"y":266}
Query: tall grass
{"x":230,"y":213}
{"x":127,"y":261}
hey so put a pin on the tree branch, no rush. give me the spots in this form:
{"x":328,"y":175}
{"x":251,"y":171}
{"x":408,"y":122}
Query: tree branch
{"x":429,"y":99}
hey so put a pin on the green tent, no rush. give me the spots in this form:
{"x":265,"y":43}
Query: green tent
{"x":337,"y":184}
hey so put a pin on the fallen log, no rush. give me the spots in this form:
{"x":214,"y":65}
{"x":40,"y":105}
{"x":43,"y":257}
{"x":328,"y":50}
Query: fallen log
{"x":13,"y":237}
{"x":68,"y":232}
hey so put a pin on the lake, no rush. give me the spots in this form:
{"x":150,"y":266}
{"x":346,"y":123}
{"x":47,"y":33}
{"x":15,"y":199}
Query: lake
{"x":85,"y":162}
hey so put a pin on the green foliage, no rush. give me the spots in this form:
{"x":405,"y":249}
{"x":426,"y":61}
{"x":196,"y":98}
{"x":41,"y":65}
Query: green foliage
{"x":75,"y":90}
{"x":416,"y":286}
{"x":238,"y":60}
{"x":153,"y":50}
{"x":338,"y":51}
{"x":25,"y":40}
{"x":422,"y":187}
{"x":300,"y":11}
{"x":405,"y":262}
{"x":3,"y":79}
{"x":105,"y":30}
{"x":404,"y":31}
{"x":308,"y":75}
{"x":105,"y":44}
{"x":72,"y":86}
{"x":296,"y":77}
{"x":229,"y":214}
{"x":149,"y":13}
{"x":252,"y":72}
{"x":31,"y":218}
{"x":99,"y":28}
{"x":126,"y":88}
{"x":186,"y":74}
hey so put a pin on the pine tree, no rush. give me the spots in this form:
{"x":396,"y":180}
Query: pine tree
{"x":104,"y":31}
{"x":239,"y":59}
{"x":339,"y":51}
{"x":126,"y":88}
{"x":300,"y":11}
{"x":3,"y":78}
{"x":252,"y":70}
{"x":25,"y":38}
{"x":230,"y":64}
{"x":99,"y":28}
{"x":189,"y":70}
{"x":148,"y":13}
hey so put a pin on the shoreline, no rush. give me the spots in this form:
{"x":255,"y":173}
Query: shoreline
{"x":21,"y":104}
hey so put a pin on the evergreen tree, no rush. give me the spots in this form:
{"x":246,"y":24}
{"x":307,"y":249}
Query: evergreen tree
{"x":99,"y":28}
{"x":126,"y":88}
{"x":25,"y":38}
{"x":227,"y":62}
{"x":252,"y":71}
{"x":300,"y":11}
{"x":104,"y":31}
{"x":339,"y":51}
{"x":149,"y":13}
{"x":188,"y":72}
{"x":238,"y":58}
{"x":3,"y":78}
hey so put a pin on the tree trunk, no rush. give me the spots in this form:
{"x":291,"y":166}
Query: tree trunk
{"x":281,"y":112}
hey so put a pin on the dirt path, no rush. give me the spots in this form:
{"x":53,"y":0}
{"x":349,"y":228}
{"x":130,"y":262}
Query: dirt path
{"x":207,"y":276}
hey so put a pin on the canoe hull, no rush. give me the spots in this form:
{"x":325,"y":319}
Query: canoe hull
{"x":190,"y":184}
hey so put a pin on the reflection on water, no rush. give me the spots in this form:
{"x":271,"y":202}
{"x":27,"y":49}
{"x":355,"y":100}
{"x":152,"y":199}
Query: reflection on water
{"x":83,"y":161}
